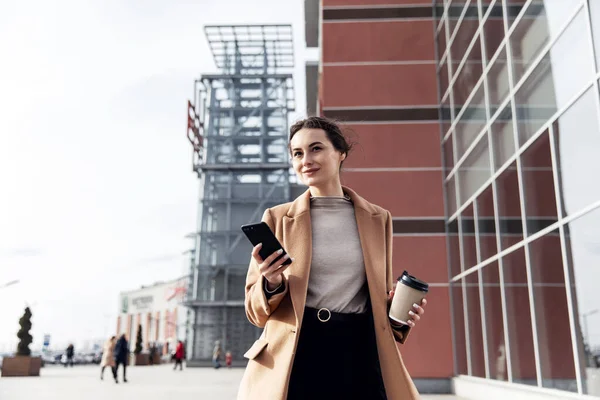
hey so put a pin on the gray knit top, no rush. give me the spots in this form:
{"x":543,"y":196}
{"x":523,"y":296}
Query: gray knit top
{"x":337,"y":273}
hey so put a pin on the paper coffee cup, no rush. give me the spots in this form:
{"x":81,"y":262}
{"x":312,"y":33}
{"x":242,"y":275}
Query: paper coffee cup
{"x":409,"y":290}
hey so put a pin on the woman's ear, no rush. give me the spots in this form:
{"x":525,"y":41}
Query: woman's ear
{"x":343,"y":157}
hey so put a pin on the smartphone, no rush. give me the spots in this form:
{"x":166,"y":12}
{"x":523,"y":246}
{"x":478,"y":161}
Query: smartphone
{"x":261,"y":233}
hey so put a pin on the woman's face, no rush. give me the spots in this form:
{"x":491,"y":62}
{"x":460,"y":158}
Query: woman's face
{"x":315,"y":160}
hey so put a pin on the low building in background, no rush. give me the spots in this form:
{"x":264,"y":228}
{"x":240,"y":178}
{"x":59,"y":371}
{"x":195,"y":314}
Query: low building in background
{"x":158,"y":309}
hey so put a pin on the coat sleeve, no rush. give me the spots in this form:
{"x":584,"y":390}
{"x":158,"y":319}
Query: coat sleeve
{"x":258,"y":307}
{"x":400,"y":333}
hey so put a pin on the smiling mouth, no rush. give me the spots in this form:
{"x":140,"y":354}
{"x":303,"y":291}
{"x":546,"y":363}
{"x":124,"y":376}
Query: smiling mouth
{"x":309,"y":172}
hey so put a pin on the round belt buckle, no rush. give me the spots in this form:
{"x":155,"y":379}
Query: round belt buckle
{"x":323,"y":319}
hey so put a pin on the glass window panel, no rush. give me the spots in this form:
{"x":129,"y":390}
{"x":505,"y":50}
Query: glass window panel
{"x":503,"y":140}
{"x":471,"y":122}
{"x":454,"y":13}
{"x":464,"y":36}
{"x":448,"y":155}
{"x":486,"y":224}
{"x":468,"y":76}
{"x":494,"y":323}
{"x":485,"y":4}
{"x":475,"y":327}
{"x":497,"y":78}
{"x":541,"y":23}
{"x":538,"y":185}
{"x":451,"y":195}
{"x":469,"y":245}
{"x":520,"y":334}
{"x":550,"y":300}
{"x":509,"y":207}
{"x":458,"y":316}
{"x":441,"y":41}
{"x":560,"y":75}
{"x":443,"y":74}
{"x":446,"y":116}
{"x":514,"y":8}
{"x":582,"y":244}
{"x":577,"y":145}
{"x":535,"y":101}
{"x":493,"y":30}
{"x":454,"y":248}
{"x":595,"y":17}
{"x":475,"y":170}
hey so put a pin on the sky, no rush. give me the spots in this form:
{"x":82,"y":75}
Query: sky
{"x":96,"y":187}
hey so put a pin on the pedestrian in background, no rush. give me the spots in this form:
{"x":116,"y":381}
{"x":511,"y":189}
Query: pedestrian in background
{"x":228,"y":359}
{"x":121,"y":355}
{"x":179,"y":356}
{"x":108,"y":358}
{"x":217,"y":352}
{"x":152,"y":353}
{"x":70,"y":353}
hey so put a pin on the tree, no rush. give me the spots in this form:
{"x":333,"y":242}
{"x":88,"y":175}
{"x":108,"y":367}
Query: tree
{"x":25,"y":338}
{"x":138,"y":341}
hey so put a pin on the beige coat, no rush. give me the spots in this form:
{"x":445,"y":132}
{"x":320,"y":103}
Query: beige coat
{"x":108,"y":359}
{"x":271,"y":357}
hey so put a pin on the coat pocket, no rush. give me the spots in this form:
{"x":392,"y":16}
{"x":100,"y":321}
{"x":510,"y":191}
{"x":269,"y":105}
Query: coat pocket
{"x":256,"y":349}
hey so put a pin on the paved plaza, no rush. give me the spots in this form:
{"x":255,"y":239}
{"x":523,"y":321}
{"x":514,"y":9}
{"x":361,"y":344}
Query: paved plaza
{"x":147,"y":383}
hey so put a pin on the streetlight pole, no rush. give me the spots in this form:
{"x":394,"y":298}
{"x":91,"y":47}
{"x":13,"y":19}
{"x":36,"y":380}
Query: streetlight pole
{"x":7,"y":284}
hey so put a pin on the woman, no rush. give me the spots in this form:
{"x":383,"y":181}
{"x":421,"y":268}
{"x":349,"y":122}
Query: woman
{"x":331,"y":302}
{"x":108,"y":359}
{"x":179,"y":355}
{"x":216,"y":358}
{"x":121,"y":355}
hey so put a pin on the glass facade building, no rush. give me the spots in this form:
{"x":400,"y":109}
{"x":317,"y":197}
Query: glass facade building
{"x":519,"y":92}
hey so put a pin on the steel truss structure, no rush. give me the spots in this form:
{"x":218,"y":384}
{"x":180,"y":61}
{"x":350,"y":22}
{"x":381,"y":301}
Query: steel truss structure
{"x":238,"y":126}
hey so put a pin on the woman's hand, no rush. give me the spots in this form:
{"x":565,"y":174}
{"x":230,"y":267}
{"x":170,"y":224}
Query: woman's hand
{"x":272,"y":273}
{"x":416,"y":312}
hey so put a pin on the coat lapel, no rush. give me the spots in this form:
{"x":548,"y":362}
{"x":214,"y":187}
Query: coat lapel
{"x":371,"y":231}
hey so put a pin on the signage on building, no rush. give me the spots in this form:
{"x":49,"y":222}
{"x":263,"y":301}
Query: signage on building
{"x":142,"y":302}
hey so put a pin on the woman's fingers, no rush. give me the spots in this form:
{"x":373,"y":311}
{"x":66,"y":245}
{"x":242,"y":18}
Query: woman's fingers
{"x":255,"y":254}
{"x":272,"y":258}
{"x":275,"y":270}
{"x":415,"y":317}
{"x":418,"y":309}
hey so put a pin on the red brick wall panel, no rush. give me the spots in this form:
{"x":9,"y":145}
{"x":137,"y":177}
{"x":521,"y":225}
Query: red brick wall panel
{"x":395,"y":145}
{"x":408,"y":194}
{"x":422,"y":256}
{"x":378,"y":41}
{"x":379,"y":85}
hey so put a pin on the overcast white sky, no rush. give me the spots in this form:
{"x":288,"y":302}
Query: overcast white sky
{"x":96,"y":186}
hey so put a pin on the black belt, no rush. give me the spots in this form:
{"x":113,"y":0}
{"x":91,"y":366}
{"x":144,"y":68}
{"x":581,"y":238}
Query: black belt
{"x":325,"y":315}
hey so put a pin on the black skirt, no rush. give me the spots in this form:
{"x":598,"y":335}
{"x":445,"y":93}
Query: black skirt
{"x":336,"y":359}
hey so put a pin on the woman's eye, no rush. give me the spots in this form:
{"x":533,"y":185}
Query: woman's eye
{"x":316,"y":148}
{"x":296,"y":154}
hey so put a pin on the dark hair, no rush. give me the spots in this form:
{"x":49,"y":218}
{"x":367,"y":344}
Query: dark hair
{"x":332,"y":129}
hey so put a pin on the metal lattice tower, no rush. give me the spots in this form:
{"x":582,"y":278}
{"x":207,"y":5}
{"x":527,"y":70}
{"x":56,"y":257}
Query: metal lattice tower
{"x":238,"y":126}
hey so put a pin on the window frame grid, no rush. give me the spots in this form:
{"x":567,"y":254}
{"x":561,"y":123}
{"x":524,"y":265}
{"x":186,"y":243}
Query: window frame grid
{"x":513,"y":88}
